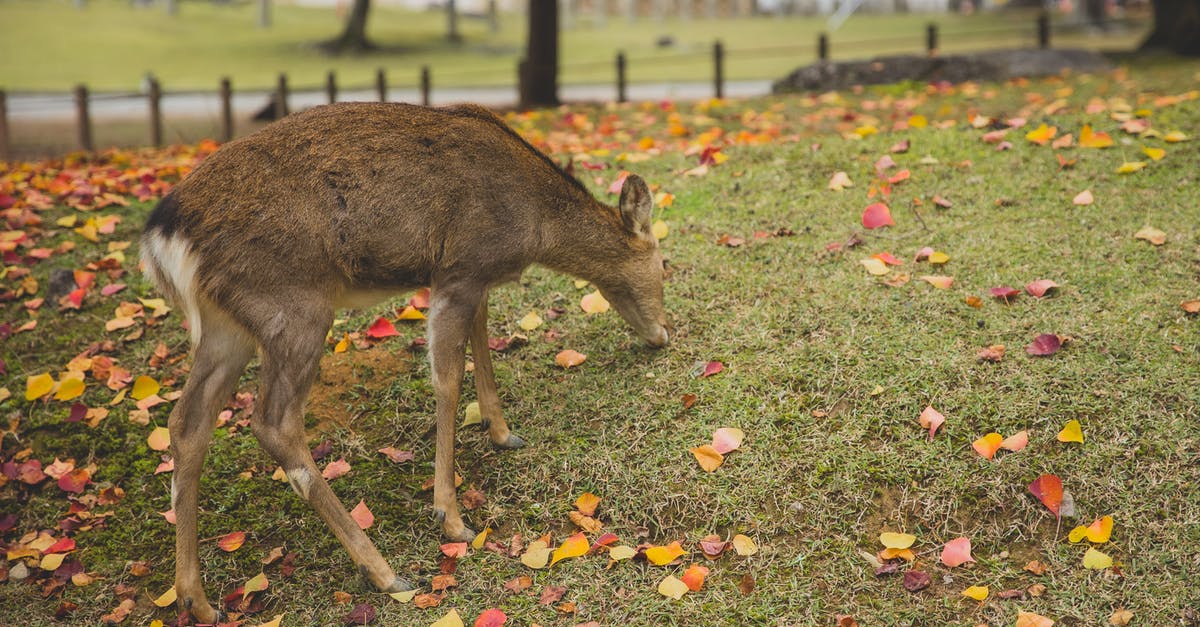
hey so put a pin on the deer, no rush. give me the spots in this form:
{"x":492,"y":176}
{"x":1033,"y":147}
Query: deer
{"x":345,"y":205}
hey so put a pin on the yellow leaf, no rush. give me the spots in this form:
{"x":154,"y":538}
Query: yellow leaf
{"x":451,"y":619}
{"x":917,"y":121}
{"x":537,"y":555}
{"x":144,"y":386}
{"x":89,"y":230}
{"x":530,"y":322}
{"x":275,"y":622}
{"x":257,"y":583}
{"x":708,"y":457}
{"x":1095,"y":560}
{"x":874,"y":266}
{"x":663,"y":200}
{"x":1175,"y":137}
{"x":940,"y":282}
{"x":38,"y":386}
{"x":480,"y":538}
{"x":160,"y":439}
{"x":1042,"y":134}
{"x":69,"y":388}
{"x":891,"y":554}
{"x":52,"y":561}
{"x":1131,"y":166}
{"x":659,"y":230}
{"x":865,"y":131}
{"x":744,"y":545}
{"x":580,"y":284}
{"x":978,"y":593}
{"x":671,"y":587}
{"x":594,"y":303}
{"x":343,"y":344}
{"x":1099,"y":531}
{"x":1091,"y":139}
{"x":587,"y":503}
{"x":663,"y":555}
{"x":473,"y":415}
{"x":893,"y":540}
{"x":1155,"y":154}
{"x":573,"y":546}
{"x":621,"y":552}
{"x":410,"y":313}
{"x":167,"y":598}
{"x":1071,"y":432}
{"x":938,"y":257}
{"x":67,"y":222}
{"x":988,"y":444}
{"x":404,"y":597}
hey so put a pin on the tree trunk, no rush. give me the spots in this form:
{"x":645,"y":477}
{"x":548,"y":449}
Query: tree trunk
{"x":1176,"y":27}
{"x":538,"y":72}
{"x":354,"y":37}
{"x":452,"y":23}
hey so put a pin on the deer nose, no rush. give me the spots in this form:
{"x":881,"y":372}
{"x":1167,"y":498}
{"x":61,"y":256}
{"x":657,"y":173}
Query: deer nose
{"x":660,"y":338}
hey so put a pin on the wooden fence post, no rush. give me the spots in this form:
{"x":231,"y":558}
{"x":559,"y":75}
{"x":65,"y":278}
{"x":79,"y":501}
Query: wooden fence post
{"x":331,"y":86}
{"x":426,"y":85}
{"x":85,"y":120}
{"x":822,"y":47}
{"x":931,"y":39}
{"x":5,"y":153}
{"x":226,"y":109}
{"x":281,"y":95}
{"x":621,"y":95}
{"x":156,"y":128}
{"x":718,"y":69}
{"x":381,"y":84}
{"x":1043,"y":30}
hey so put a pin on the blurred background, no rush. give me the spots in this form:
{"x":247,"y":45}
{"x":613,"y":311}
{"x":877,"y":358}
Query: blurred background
{"x":98,"y":73}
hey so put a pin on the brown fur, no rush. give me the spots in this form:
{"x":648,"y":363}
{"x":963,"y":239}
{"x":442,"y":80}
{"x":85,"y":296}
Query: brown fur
{"x":284,"y":226}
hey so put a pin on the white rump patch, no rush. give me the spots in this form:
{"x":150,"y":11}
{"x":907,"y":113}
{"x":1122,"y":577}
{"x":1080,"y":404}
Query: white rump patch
{"x":173,"y":269}
{"x":300,"y":481}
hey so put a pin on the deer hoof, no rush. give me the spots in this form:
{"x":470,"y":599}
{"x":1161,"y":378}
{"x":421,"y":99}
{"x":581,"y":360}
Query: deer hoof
{"x":399,"y":584}
{"x":514,"y":441}
{"x":201,"y":612}
{"x":439,"y":515}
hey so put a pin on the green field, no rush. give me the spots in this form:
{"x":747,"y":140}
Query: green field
{"x":826,"y":369}
{"x":50,"y":46}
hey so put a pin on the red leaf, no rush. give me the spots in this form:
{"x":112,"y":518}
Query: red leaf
{"x":74,"y":481}
{"x":491,"y":618}
{"x":711,"y":368}
{"x":362,"y":614}
{"x":1049,"y":490}
{"x":1005,"y":292}
{"x":381,"y":328}
{"x":877,"y":215}
{"x":1044,"y":344}
{"x":65,"y":545}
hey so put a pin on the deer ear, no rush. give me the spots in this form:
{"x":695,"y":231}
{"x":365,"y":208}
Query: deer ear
{"x":636,"y":204}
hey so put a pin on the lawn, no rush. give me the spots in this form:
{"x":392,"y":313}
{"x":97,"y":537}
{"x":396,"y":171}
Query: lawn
{"x":825,"y":368}
{"x":48,"y":45}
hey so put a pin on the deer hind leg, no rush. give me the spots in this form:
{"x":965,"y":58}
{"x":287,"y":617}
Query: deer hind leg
{"x":290,"y":359}
{"x":485,"y":385}
{"x":220,"y":357}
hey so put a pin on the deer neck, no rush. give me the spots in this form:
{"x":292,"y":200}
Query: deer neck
{"x":583,"y":239}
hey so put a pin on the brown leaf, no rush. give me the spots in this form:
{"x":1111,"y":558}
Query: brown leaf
{"x":586,"y":523}
{"x":1121,"y":617}
{"x":139,"y":569}
{"x":473,"y":499}
{"x":552,"y":594}
{"x":518,"y":584}
{"x":1036,"y":590}
{"x":441,"y":582}
{"x":746,"y":584}
{"x":342,"y":598}
{"x":567,"y":608}
{"x":428,"y":600}
{"x":993,"y":353}
{"x":916,"y":580}
{"x":690,"y":399}
{"x":1036,"y":567}
{"x":1014,"y":593}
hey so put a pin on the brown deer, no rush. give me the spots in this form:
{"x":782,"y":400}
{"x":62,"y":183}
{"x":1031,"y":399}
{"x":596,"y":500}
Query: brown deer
{"x":344,"y":205}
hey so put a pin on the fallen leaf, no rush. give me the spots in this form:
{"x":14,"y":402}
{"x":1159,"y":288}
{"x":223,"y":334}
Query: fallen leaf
{"x":840,"y":181}
{"x":1130,"y":167}
{"x":744,"y":545}
{"x":1071,"y":432}
{"x":663,"y":555}
{"x":362,"y":614}
{"x":672,"y":588}
{"x":594,"y":303}
{"x":257,"y":583}
{"x":167,"y":598}
{"x":410,"y":313}
{"x":74,"y":481}
{"x":1042,"y":134}
{"x":877,"y":215}
{"x":957,"y":551}
{"x":916,"y":580}
{"x":711,"y":368}
{"x":1155,"y":154}
{"x":978,"y":593}
{"x":1038,"y":288}
{"x":336,"y":469}
{"x":397,"y":456}
{"x":660,"y":229}
{"x":381,"y":328}
{"x":1049,"y":490}
{"x":1120,"y":617}
{"x":993,"y":353}
{"x":552,"y":594}
{"x":159,"y":439}
{"x":451,"y":619}
{"x":1092,"y":139}
{"x":1044,"y":345}
{"x":362,"y":515}
{"x":536,"y":555}
{"x":1016,"y":441}
{"x":875,"y":267}
{"x":530,"y":322}
{"x":38,"y":386}
{"x":726,"y":439}
{"x":1099,"y":531}
{"x":231,"y":542}
{"x":586,"y":503}
{"x":1148,"y":233}
{"x":144,"y":386}
{"x":1095,"y":560}
{"x":491,"y":618}
{"x":708,"y":457}
{"x":1029,"y":619}
{"x":893,"y":540}
{"x":746,"y":584}
{"x":694,"y":576}
{"x":573,"y":546}
{"x":569,"y":358}
{"x":1084,"y":198}
{"x":940,"y":282}
{"x":454,"y":549}
{"x":621,"y":552}
{"x":930,"y":419}
{"x":404,"y":597}
{"x":988,"y":444}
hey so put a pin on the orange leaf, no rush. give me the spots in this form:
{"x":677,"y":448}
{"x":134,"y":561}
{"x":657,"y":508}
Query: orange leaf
{"x":1016,"y":441}
{"x":586,"y":503}
{"x":708,"y":457}
{"x":573,"y":546}
{"x":454,"y":549}
{"x":1049,"y":490}
{"x":232,"y":541}
{"x":693,"y":577}
{"x":988,"y":444}
{"x":159,"y":439}
{"x":594,"y":303}
{"x":1029,"y":619}
{"x":1042,"y":134}
{"x":1090,"y":139}
{"x":931,"y":419}
{"x":569,"y":358}
{"x":336,"y":469}
{"x":940,"y":282}
{"x":362,"y":515}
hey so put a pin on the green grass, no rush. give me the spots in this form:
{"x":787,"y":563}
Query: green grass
{"x":49,"y":45}
{"x":826,"y":371}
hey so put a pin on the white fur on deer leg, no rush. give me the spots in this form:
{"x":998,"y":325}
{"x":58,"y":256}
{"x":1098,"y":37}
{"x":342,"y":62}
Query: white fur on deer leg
{"x":174,"y":492}
{"x":174,"y":258}
{"x":300,"y":481}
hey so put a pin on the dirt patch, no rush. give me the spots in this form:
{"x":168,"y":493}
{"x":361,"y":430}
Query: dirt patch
{"x":345,"y":377}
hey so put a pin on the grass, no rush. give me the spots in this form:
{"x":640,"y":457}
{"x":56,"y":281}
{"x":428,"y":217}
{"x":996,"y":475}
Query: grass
{"x":826,"y":371}
{"x":51,"y":46}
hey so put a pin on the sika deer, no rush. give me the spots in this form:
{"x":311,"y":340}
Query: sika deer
{"x":347,"y":204}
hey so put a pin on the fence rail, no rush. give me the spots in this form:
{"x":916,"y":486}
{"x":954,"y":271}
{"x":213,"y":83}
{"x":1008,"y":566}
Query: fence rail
{"x":282,"y":92}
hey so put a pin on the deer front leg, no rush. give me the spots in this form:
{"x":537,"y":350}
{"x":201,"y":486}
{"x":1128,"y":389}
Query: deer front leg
{"x":485,"y":384}
{"x":452,"y":313}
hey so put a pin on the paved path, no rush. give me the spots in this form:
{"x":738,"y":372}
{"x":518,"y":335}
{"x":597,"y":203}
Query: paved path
{"x":49,"y":107}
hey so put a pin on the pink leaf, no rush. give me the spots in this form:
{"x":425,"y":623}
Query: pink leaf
{"x":877,"y":215}
{"x":924,"y":253}
{"x":711,"y":368}
{"x":957,"y":551}
{"x":727,"y":439}
{"x":1005,"y":292}
{"x":362,"y":515}
{"x":1016,"y":441}
{"x":336,"y":469}
{"x":491,"y":618}
{"x":1039,"y":287}
{"x":454,"y":549}
{"x":931,"y":419}
{"x":1044,"y":344}
{"x":397,"y":456}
